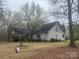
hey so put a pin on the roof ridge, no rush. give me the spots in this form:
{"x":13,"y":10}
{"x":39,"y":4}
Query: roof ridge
{"x":50,"y":23}
{"x":48,"y":26}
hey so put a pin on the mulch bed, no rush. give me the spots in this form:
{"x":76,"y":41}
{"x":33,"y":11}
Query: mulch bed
{"x":57,"y":53}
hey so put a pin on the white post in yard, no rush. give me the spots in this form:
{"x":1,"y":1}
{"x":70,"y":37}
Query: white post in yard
{"x":17,"y":50}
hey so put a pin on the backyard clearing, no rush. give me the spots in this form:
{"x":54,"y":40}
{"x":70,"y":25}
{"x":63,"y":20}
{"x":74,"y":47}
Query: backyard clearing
{"x":53,"y":50}
{"x":7,"y":50}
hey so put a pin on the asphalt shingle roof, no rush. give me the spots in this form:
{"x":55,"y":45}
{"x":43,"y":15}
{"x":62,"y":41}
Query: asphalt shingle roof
{"x":47,"y":27}
{"x":42,"y":28}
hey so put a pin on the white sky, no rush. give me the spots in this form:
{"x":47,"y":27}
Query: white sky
{"x":15,"y":5}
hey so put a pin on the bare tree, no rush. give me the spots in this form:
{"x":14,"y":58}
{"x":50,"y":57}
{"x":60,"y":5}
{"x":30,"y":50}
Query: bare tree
{"x":72,"y":42}
{"x":18,"y":21}
{"x":1,"y":10}
{"x":66,"y":9}
{"x":34,"y":16}
{"x":8,"y":22}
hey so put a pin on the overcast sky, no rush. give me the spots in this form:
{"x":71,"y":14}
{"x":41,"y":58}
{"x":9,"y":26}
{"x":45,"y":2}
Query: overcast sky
{"x":15,"y":5}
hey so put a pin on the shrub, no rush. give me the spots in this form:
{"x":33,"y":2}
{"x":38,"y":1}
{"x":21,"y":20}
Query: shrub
{"x":28,"y":40}
{"x":37,"y":40}
{"x":33,"y":40}
{"x":76,"y":38}
{"x":44,"y":40}
{"x":55,"y":40}
{"x":66,"y":38}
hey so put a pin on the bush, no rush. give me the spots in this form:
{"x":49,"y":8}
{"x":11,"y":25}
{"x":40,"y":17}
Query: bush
{"x":76,"y":38}
{"x":29,"y":40}
{"x":55,"y":40}
{"x":44,"y":40}
{"x":33,"y":40}
{"x":66,"y":38}
{"x":37,"y":40}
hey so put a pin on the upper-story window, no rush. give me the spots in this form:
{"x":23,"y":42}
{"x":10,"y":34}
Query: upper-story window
{"x":13,"y":32}
{"x":38,"y":36}
{"x":56,"y":29}
{"x":63,"y":36}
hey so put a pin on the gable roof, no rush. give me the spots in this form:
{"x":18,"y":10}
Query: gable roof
{"x":19,"y":30}
{"x":47,"y":27}
{"x":43,"y":28}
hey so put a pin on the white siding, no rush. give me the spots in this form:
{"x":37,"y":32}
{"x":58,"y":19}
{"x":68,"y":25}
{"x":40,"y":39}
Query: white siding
{"x":53,"y":34}
{"x":35,"y":36}
{"x":43,"y":36}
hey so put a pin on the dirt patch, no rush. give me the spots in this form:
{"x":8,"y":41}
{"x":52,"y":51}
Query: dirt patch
{"x":58,"y":53}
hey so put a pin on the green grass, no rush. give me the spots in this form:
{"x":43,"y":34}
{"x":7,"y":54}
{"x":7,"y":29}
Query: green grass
{"x":77,"y":42}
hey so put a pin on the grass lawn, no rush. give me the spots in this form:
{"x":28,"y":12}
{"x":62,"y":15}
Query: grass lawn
{"x":7,"y":50}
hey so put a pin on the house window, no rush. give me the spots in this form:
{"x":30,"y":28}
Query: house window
{"x":63,"y":36}
{"x":56,"y":29}
{"x":13,"y":32}
{"x":38,"y":36}
{"x":56,"y":37}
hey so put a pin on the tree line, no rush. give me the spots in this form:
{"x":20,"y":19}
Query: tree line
{"x":30,"y":17}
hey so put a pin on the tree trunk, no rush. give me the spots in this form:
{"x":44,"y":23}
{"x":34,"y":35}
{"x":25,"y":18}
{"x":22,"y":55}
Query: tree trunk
{"x":78,"y":6}
{"x":20,"y":40}
{"x":72,"y":41}
{"x":31,"y":36}
{"x":8,"y":34}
